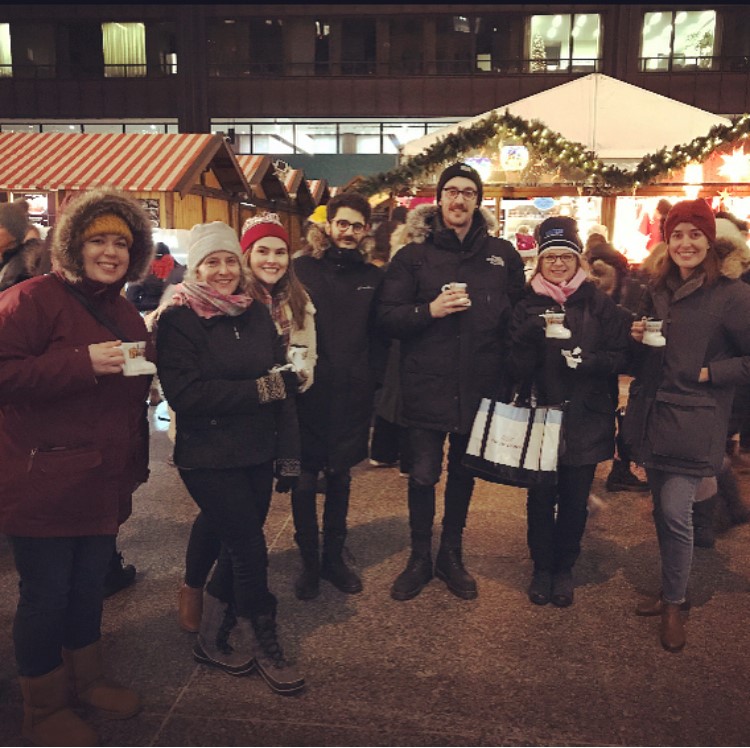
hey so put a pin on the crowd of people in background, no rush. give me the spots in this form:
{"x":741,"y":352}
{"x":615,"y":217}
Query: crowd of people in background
{"x":284,"y":367}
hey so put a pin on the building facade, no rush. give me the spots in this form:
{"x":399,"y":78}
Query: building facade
{"x":346,"y":84}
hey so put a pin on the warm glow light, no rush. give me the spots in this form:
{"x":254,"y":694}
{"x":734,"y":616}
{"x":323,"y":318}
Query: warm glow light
{"x":736,"y":166}
{"x":514,"y":157}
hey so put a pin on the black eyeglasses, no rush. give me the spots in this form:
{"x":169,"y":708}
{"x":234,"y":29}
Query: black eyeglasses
{"x":343,"y":225}
{"x":454,"y":192}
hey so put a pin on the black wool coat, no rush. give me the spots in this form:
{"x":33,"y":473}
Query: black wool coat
{"x":449,"y":364}
{"x":600,"y":329}
{"x":335,"y":413}
{"x":208,"y":370}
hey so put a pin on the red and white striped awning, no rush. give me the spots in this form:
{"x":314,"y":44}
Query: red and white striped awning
{"x":135,"y":163}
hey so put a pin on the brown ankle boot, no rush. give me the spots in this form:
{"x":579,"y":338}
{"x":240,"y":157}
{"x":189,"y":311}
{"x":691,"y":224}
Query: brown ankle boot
{"x":653,"y":606}
{"x":84,"y":667}
{"x":47,"y":718}
{"x":672,"y":629}
{"x":190,"y":608}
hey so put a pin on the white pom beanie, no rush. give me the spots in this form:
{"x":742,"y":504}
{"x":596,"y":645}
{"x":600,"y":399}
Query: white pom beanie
{"x":206,"y":238}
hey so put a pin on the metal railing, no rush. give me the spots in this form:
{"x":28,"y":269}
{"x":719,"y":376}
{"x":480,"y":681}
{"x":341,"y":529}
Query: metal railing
{"x":28,"y":70}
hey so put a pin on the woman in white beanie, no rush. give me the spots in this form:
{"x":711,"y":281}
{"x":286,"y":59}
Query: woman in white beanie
{"x":236,"y":427}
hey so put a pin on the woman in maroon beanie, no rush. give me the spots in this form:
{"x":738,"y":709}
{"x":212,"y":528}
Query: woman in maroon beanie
{"x":681,"y":398}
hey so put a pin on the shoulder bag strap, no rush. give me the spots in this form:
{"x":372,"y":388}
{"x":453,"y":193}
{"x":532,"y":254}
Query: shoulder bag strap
{"x":95,"y":313}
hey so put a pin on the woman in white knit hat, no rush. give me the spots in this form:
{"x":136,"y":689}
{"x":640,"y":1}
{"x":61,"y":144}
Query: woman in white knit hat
{"x":236,"y":428}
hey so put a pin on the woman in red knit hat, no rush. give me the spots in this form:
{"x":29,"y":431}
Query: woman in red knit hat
{"x":681,"y":398}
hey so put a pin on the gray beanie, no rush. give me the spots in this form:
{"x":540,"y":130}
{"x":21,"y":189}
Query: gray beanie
{"x":206,"y":238}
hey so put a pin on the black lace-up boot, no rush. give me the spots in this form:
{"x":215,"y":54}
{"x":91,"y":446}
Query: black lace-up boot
{"x":278,"y":672}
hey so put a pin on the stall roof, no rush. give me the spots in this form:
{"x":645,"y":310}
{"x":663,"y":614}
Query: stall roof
{"x":296,"y":186}
{"x":134,"y":162}
{"x":319,"y":190}
{"x":615,"y":120}
{"x":261,"y":175}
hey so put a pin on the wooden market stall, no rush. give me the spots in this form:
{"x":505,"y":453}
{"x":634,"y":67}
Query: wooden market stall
{"x":180,"y":179}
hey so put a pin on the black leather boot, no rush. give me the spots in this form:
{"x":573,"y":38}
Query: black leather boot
{"x":450,"y":568}
{"x":334,"y":568}
{"x":119,"y":575}
{"x":418,"y":572}
{"x":306,"y":586}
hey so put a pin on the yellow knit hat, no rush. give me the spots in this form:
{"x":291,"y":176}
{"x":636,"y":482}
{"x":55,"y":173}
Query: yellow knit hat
{"x":108,"y":223}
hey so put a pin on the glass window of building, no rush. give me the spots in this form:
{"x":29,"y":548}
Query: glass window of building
{"x":273,"y":139}
{"x":228,"y":47}
{"x":322,"y":47}
{"x":499,"y":43}
{"x":30,"y":48}
{"x":124,"y":46}
{"x":144,"y":129}
{"x":564,"y":43}
{"x":678,"y":40}
{"x":6,"y":59}
{"x":315,"y":138}
{"x":161,"y":48}
{"x":18,"y":127}
{"x":405,"y":52}
{"x":454,"y":44}
{"x":81,"y":54}
{"x":396,"y":135}
{"x":266,"y":46}
{"x":102,"y":129}
{"x":359,"y":138}
{"x":59,"y":127}
{"x":358,"y":46}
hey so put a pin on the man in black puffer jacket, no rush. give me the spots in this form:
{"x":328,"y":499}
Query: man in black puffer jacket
{"x":453,"y":346}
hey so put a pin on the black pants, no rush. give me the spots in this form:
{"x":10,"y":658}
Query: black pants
{"x":335,"y":506}
{"x":235,"y":503}
{"x":61,"y":592}
{"x":427,"y":465}
{"x":202,"y":551}
{"x":557,"y":518}
{"x":390,"y":444}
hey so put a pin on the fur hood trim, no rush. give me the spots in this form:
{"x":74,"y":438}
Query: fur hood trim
{"x":80,"y":212}
{"x":732,"y":248}
{"x":318,"y":241}
{"x":419,"y":223}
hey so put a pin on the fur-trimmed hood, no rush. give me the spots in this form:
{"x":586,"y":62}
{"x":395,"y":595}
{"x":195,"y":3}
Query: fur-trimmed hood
{"x":80,"y":212}
{"x":318,"y":241}
{"x":732,"y":248}
{"x":420,"y":222}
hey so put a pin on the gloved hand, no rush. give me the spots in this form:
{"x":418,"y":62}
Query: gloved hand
{"x":286,"y":483}
{"x":276,"y":385}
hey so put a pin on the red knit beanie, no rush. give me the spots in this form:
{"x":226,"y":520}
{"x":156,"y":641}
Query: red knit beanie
{"x":696,"y":212}
{"x":259,"y":227}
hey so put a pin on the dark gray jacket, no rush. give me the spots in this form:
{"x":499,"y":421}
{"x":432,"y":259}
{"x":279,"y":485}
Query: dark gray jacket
{"x":673,"y":422}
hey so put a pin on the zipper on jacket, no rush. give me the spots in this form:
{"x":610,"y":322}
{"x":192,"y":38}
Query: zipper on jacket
{"x":32,"y":455}
{"x":236,"y":332}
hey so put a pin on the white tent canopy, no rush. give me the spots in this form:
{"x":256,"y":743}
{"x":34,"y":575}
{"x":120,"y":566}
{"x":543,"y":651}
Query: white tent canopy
{"x":615,"y":120}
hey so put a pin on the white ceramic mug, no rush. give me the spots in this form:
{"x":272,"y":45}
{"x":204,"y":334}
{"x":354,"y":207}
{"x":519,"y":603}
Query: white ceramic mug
{"x":297,"y":355}
{"x":555,"y":326}
{"x":652,"y":335}
{"x":135,"y":359}
{"x":460,"y":288}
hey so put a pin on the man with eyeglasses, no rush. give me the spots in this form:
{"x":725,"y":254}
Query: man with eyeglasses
{"x":452,"y":353}
{"x":335,"y":413}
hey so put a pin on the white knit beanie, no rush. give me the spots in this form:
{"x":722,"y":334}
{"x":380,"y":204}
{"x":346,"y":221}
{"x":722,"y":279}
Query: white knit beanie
{"x":206,"y":238}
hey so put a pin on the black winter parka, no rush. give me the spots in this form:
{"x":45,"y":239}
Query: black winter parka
{"x":601,"y":331}
{"x":335,"y":413}
{"x":449,"y":364}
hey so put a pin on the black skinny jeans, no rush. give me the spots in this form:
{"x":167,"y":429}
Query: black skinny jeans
{"x":554,"y":537}
{"x":60,"y":602}
{"x":235,"y":505}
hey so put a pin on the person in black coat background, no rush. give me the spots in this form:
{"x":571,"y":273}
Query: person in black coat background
{"x":576,"y":372}
{"x":336,"y":412}
{"x":453,"y":344}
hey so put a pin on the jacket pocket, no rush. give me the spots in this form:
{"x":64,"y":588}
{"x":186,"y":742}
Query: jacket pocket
{"x":64,"y":461}
{"x":681,"y":426}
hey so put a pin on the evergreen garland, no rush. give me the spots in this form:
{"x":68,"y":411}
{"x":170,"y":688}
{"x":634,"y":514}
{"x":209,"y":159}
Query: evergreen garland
{"x":589,"y":172}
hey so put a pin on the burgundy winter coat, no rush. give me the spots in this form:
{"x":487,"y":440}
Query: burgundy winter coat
{"x":72,"y":446}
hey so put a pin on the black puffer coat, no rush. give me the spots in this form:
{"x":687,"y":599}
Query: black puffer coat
{"x":449,"y":364}
{"x":335,"y":413}
{"x":601,"y":331}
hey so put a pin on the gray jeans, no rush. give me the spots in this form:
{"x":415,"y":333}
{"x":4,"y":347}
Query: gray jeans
{"x":673,"y":496}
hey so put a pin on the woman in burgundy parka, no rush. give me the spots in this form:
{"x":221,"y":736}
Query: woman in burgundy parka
{"x":73,"y":448}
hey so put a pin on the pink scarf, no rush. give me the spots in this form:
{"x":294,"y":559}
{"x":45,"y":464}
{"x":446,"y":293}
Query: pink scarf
{"x":559,"y":293}
{"x":207,"y":303}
